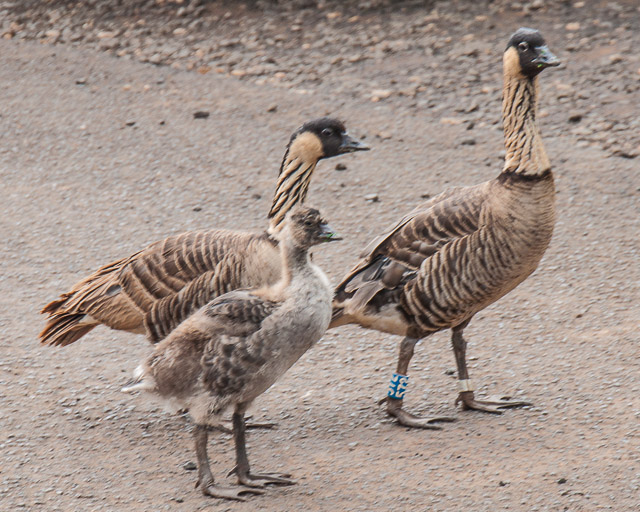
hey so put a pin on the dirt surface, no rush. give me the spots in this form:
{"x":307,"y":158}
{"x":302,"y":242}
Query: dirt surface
{"x":101,"y":155}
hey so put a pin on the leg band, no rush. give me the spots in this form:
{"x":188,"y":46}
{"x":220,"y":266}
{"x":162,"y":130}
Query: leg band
{"x":465,"y":385}
{"x":398,"y":386}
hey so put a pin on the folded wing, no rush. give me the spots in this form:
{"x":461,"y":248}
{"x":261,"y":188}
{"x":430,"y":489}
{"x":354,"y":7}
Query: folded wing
{"x":394,"y":258}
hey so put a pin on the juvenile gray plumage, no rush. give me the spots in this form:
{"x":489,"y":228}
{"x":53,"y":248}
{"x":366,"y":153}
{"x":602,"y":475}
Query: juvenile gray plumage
{"x":464,"y":249}
{"x":153,"y":290}
{"x":234,"y":348}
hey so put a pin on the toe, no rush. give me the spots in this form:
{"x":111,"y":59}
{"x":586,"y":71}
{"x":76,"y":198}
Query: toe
{"x":409,"y":420}
{"x":262,"y":480}
{"x":277,"y":479}
{"x":229,"y":493}
{"x":505,"y":402}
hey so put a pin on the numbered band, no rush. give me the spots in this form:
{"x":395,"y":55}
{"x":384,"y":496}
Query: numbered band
{"x":398,"y":386}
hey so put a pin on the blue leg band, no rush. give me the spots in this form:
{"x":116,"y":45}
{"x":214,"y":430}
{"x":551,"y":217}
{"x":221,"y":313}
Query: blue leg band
{"x":398,"y":386}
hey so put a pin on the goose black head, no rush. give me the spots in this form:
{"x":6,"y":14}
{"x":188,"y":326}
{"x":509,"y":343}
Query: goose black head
{"x":323,"y":138}
{"x":307,"y":227}
{"x":528,"y":54}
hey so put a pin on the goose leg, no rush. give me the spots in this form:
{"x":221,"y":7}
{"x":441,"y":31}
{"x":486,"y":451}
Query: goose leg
{"x":242,"y":461}
{"x":466,"y":394}
{"x":205,"y":477}
{"x":397,"y":390}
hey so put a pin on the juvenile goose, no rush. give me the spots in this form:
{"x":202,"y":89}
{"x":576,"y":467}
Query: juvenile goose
{"x":153,"y":290}
{"x":464,"y":249}
{"x":234,"y":348}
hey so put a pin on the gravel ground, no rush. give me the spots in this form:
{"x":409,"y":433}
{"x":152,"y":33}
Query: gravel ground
{"x":101,"y":154}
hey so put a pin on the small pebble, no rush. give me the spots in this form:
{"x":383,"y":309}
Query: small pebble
{"x":380,"y":94}
{"x":575,"y":117}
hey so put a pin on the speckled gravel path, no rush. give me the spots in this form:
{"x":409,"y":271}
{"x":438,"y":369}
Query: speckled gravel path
{"x":101,"y":155}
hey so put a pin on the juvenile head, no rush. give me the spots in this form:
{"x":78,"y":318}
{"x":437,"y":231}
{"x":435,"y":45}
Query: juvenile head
{"x":305,"y":227}
{"x":323,"y":138}
{"x":527,"y":54}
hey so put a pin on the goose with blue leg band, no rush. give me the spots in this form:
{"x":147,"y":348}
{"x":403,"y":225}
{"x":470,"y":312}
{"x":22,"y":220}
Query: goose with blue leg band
{"x":464,"y":249}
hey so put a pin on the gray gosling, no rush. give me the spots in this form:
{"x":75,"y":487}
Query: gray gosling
{"x":234,"y":348}
{"x":464,"y":249}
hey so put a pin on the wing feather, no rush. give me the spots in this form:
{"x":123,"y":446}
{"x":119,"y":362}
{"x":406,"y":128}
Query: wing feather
{"x":235,"y":353}
{"x":394,"y":258}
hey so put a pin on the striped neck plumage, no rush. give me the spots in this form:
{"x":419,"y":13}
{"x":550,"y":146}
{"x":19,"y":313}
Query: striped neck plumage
{"x":291,"y":189}
{"x":525,"y":154}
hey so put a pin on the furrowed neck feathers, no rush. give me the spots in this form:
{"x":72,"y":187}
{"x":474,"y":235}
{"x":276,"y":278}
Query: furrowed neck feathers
{"x":297,"y":167}
{"x":525,"y":155}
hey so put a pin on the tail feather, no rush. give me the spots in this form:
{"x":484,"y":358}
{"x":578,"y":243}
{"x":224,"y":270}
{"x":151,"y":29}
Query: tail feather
{"x":55,"y":305}
{"x":142,"y":381}
{"x":338,"y":317}
{"x":93,"y":300}
{"x":62,"y":330}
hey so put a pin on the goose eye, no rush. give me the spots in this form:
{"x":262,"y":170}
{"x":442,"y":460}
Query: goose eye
{"x":523,"y":46}
{"x":327,"y":132}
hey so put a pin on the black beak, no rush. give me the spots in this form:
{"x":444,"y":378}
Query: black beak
{"x":327,"y":234}
{"x":349,"y":145}
{"x":545,"y":58}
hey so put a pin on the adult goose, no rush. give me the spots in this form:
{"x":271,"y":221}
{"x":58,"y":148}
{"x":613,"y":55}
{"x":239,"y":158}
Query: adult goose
{"x":234,"y":348}
{"x":153,"y":290}
{"x":464,"y":249}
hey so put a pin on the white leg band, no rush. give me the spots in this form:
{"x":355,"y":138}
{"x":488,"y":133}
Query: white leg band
{"x":465,"y":385}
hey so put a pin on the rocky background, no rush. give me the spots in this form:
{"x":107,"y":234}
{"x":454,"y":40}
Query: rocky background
{"x":382,"y":50}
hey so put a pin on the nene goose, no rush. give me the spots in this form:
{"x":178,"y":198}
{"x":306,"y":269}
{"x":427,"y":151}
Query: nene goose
{"x":464,"y":249}
{"x":153,"y":290}
{"x":234,"y":348}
